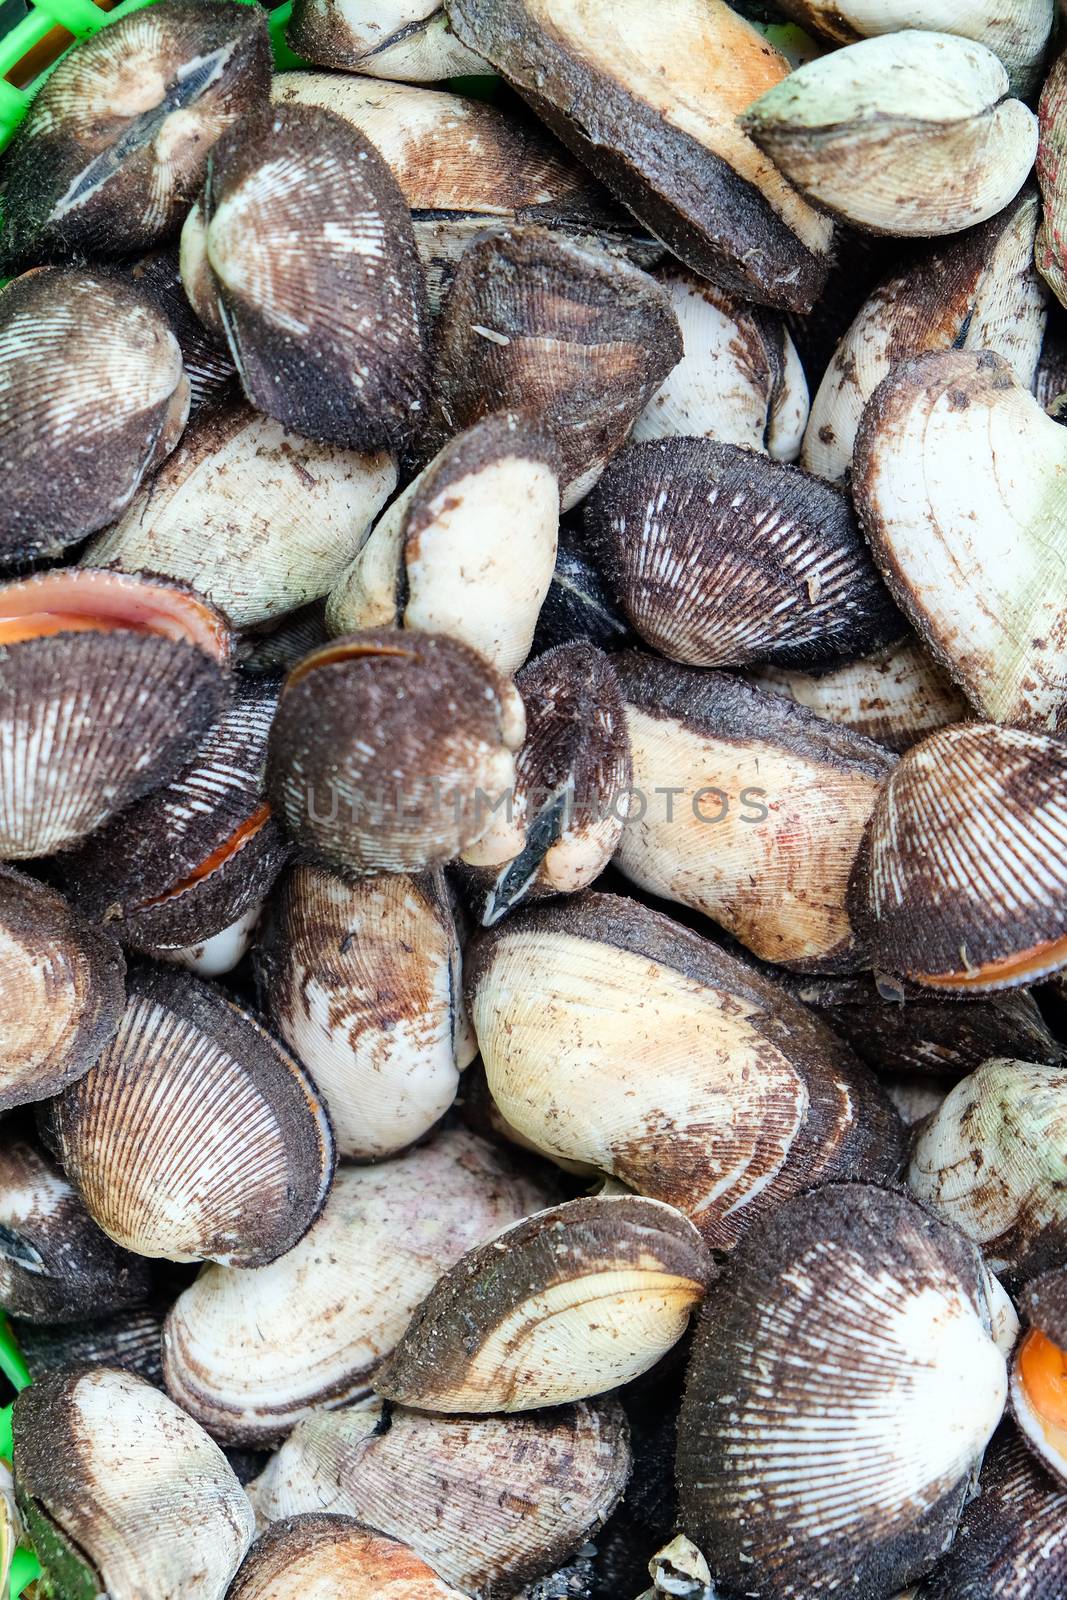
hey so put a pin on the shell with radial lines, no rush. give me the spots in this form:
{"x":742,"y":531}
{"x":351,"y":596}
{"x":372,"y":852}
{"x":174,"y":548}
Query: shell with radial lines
{"x":958,"y":479}
{"x":962,"y":881}
{"x":1052,"y":122}
{"x":406,"y":39}
{"x":318,"y":1555}
{"x":207,"y":365}
{"x":720,"y":556}
{"x":195,"y":1135}
{"x":130,"y":1340}
{"x":843,"y":1385}
{"x":616,"y":1038}
{"x":1039,"y":1370}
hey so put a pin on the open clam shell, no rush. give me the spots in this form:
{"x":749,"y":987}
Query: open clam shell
{"x":254,"y":517}
{"x":80,"y":353}
{"x":106,"y":683}
{"x":251,"y":1353}
{"x":131,"y":1340}
{"x":844,"y":129}
{"x":489,"y":1502}
{"x":313,"y":1556}
{"x":613,"y":1278}
{"x":407,"y":39}
{"x":1038,"y":1370}
{"x":957,"y":476}
{"x":62,"y":992}
{"x":720,"y":556}
{"x":116,"y":143}
{"x":751,"y":810}
{"x":195,"y":1135}
{"x":123,"y":1493}
{"x":312,"y":269}
{"x":962,"y":881}
{"x":469,"y":548}
{"x":650,"y":101}
{"x":842,"y":1388}
{"x":614,"y":1037}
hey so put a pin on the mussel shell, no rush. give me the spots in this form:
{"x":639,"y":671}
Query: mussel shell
{"x":407,"y":39}
{"x":316,"y":1556}
{"x":132,"y":1340}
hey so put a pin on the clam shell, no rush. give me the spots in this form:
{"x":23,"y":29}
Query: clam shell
{"x":314,"y":1557}
{"x":845,"y":128}
{"x":92,"y":720}
{"x":1051,"y":242}
{"x":1050,"y":379}
{"x":842,"y":1388}
{"x":211,"y":957}
{"x":55,"y":1264}
{"x":577,"y":607}
{"x":720,"y":556}
{"x":565,"y":1304}
{"x":489,"y":1502}
{"x":195,"y":1135}
{"x":361,"y":981}
{"x":614,"y":1037}
{"x":131,"y":1340}
{"x":768,"y":811}
{"x":406,"y":39}
{"x":62,"y":992}
{"x":316,"y":279}
{"x":1036,"y":1373}
{"x":207,"y":365}
{"x":122,"y":1492}
{"x":956,"y":481}
{"x":82,"y":355}
{"x":116,"y":144}
{"x":251,"y":1353}
{"x":278,"y":646}
{"x":650,"y":101}
{"x":962,"y":882}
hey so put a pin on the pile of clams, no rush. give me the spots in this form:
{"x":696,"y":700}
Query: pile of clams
{"x":533,"y":804}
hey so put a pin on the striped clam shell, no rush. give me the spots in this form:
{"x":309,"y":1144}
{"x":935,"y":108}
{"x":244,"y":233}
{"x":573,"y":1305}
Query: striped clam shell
{"x":131,"y":1340}
{"x":315,"y":1556}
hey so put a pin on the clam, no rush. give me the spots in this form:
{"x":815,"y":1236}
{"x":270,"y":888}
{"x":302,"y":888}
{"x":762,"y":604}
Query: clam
{"x":302,"y":250}
{"x":207,"y":364}
{"x":895,"y":696}
{"x":577,"y":607}
{"x":613,"y":1037}
{"x":116,"y":143}
{"x":842,"y":1388}
{"x":362,"y":982}
{"x":489,"y":1502}
{"x":843,"y":129}
{"x":753,"y":810}
{"x":62,"y":992}
{"x":320,"y":1555}
{"x":567,"y":1303}
{"x":1052,"y":121}
{"x":467,"y":550}
{"x":739,"y":380}
{"x":650,"y":100}
{"x":1039,"y":1369}
{"x":217,"y":953}
{"x":192,"y":858}
{"x":578,"y":337}
{"x":406,"y":39}
{"x":195,"y":1135}
{"x":93,"y":395}
{"x":390,"y":751}
{"x":251,"y":1353}
{"x":993,"y":1163}
{"x":106,"y":683}
{"x":123,"y":1493}
{"x":55,"y":1264}
{"x":131,"y":1340}
{"x":720,"y":556}
{"x":572,"y":782}
{"x":957,"y":481}
{"x":256,"y":518}
{"x":962,"y":882}
{"x":980,"y":291}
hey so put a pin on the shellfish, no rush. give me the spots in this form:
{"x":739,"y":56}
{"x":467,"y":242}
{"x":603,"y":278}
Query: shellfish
{"x":316,"y":1555}
{"x":407,"y":39}
{"x":1037,"y":1372}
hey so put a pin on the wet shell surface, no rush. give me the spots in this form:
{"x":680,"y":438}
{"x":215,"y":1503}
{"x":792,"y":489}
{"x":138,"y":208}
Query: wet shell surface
{"x":569,"y":333}
{"x":961,"y":882}
{"x":308,"y":261}
{"x":651,"y":101}
{"x":123,"y":1493}
{"x":719,"y":557}
{"x":406,"y":39}
{"x":614,"y":1037}
{"x":469,"y":548}
{"x":317,"y":1557}
{"x":754,"y":810}
{"x":115,"y":146}
{"x":195,"y":1135}
{"x":254,"y":517}
{"x":62,"y":992}
{"x":842,"y":1388}
{"x":615,"y":1279}
{"x":93,"y":395}
{"x":958,"y":478}
{"x":1037,"y":1374}
{"x":132,"y":1340}
{"x":844,"y":127}
{"x":106,"y":684}
{"x":489,"y":1502}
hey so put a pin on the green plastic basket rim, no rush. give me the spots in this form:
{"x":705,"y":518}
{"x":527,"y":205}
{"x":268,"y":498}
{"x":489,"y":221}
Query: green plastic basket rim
{"x":25,"y":1566}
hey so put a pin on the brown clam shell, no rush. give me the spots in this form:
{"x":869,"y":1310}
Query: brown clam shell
{"x":131,"y":1340}
{"x":318,"y":1553}
{"x":207,"y":364}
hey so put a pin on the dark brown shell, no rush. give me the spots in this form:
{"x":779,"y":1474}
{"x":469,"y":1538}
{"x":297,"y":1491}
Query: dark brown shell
{"x":1043,"y":1302}
{"x":208,"y":366}
{"x":131,"y":1340}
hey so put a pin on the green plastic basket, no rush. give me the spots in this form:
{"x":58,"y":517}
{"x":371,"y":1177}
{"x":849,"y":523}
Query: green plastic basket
{"x":25,"y":1566}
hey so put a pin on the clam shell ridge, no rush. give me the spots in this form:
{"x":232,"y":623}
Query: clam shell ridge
{"x":839,"y":1333}
{"x":312,"y":1557}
